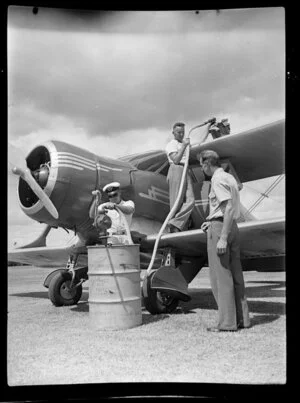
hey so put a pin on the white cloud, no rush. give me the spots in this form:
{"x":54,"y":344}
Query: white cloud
{"x":115,"y":80}
{"x":114,"y":83}
{"x":268,"y":207}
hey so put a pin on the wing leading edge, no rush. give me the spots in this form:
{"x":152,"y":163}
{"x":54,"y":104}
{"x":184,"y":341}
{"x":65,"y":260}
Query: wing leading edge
{"x":254,"y":154}
{"x":45,"y":256}
{"x":260,"y":240}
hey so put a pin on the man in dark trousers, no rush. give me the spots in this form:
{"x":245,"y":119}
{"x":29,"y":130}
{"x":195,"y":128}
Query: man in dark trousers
{"x":223,"y":248}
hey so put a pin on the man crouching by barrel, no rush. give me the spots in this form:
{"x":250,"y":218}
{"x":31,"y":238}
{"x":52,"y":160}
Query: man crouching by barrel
{"x":120,"y":212}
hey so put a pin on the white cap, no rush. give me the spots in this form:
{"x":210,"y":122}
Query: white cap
{"x":111,"y":187}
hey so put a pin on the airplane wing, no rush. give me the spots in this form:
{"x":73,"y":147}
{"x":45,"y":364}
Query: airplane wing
{"x":45,"y":256}
{"x":260,"y":239}
{"x":254,"y":154}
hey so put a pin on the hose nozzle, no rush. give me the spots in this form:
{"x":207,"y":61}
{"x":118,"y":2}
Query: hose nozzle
{"x":212,"y":120}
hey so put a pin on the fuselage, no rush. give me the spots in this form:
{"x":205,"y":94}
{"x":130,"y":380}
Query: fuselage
{"x":69,"y":174}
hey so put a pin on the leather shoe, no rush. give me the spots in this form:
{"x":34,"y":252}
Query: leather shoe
{"x":243,"y":327}
{"x":217,"y":329}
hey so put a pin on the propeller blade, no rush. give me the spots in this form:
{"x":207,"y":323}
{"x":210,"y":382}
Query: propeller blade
{"x":26,"y":175}
{"x":16,"y":157}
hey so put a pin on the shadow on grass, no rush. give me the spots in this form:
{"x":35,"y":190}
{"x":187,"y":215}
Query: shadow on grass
{"x":40,"y":295}
{"x":82,"y":306}
{"x":146,"y":316}
{"x":203,"y":299}
{"x":264,"y":291}
{"x":43,"y":295}
{"x":263,"y":319}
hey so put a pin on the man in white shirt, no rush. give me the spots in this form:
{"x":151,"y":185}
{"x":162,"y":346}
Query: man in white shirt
{"x":223,"y":246}
{"x":176,"y":153}
{"x":119,"y":228}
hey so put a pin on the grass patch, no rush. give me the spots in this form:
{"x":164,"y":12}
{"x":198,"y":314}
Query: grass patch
{"x":49,"y":345}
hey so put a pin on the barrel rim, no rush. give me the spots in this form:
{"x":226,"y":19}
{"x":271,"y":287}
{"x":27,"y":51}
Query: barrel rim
{"x":112,"y":246}
{"x":115,"y":273}
{"x":114,"y":301}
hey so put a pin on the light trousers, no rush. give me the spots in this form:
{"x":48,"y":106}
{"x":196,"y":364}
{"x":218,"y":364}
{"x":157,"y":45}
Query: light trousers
{"x":226,"y":277}
{"x":187,"y":199}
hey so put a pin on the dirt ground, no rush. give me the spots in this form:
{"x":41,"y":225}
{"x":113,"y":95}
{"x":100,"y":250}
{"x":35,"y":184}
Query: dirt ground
{"x":47,"y":345}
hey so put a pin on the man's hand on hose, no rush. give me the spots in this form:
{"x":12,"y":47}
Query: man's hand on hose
{"x":212,"y":121}
{"x":205,"y":226}
{"x":186,"y":142}
{"x":109,"y":206}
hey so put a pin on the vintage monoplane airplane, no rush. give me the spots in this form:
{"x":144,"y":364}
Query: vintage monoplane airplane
{"x":56,"y":185}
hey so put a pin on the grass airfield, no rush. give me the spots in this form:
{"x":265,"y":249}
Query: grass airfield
{"x":53,"y":346}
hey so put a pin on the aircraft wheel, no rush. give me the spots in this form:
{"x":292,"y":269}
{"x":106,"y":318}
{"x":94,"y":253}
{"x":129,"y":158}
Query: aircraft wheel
{"x":59,"y":292}
{"x":157,"y":302}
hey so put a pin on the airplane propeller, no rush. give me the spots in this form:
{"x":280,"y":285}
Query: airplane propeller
{"x":25,"y":173}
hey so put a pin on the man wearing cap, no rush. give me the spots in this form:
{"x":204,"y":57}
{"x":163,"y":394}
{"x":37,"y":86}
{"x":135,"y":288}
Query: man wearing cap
{"x":112,"y":207}
{"x":223,"y":246}
{"x":176,"y":153}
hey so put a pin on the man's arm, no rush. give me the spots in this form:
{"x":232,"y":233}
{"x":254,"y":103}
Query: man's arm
{"x":92,"y":209}
{"x":207,"y":131}
{"x":176,"y":156}
{"x":127,"y":207}
{"x":228,"y":211}
{"x":105,"y":206}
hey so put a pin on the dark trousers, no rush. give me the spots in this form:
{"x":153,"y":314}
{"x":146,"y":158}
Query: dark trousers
{"x":187,"y":200}
{"x":226,"y":277}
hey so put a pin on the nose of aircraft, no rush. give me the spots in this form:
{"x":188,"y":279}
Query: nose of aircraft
{"x":41,"y":175}
{"x":36,"y":179}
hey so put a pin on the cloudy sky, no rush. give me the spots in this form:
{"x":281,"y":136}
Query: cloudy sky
{"x":115,"y":82}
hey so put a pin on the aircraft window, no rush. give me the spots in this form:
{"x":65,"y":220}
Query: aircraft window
{"x":154,"y":163}
{"x":163,"y":169}
{"x":155,"y":167}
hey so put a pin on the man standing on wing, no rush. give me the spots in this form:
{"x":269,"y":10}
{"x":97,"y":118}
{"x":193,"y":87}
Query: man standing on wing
{"x":176,"y":153}
{"x":223,"y":246}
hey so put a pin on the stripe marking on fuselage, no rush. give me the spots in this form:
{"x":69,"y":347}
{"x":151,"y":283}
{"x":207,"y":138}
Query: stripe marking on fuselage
{"x":82,"y":160}
{"x":70,"y":166}
{"x":76,"y":164}
{"x":66,"y":157}
{"x":156,"y":194}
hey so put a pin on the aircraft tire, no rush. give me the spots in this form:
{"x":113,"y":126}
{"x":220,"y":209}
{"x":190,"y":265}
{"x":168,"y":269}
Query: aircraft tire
{"x":157,"y":302}
{"x":60,"y":294}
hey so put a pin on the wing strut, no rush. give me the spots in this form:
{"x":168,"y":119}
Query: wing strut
{"x":265,"y":194}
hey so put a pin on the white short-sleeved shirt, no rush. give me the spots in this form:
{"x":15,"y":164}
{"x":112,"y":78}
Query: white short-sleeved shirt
{"x":223,"y":187}
{"x":117,"y":218}
{"x":173,"y":147}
